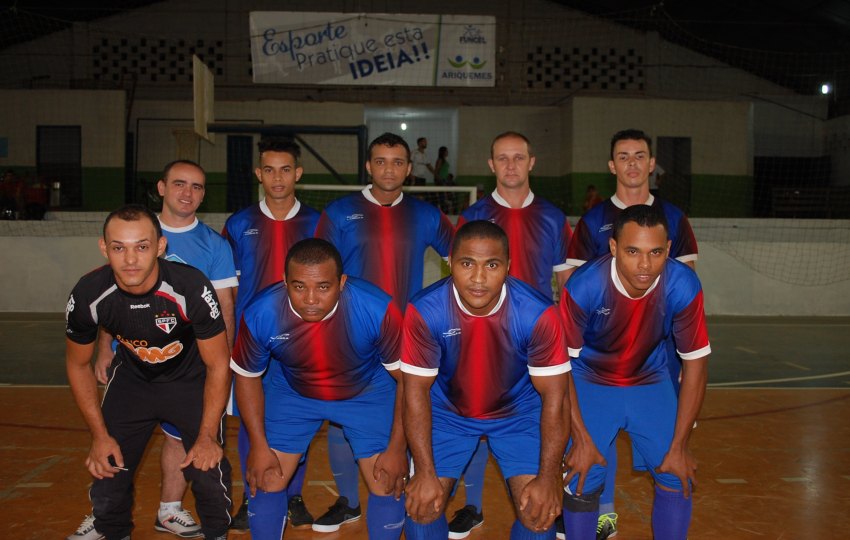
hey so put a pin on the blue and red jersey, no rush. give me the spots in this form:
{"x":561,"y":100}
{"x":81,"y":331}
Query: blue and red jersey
{"x":617,"y":340}
{"x":260,"y":243}
{"x":386,"y":244}
{"x":538,"y":236}
{"x":483,"y":364}
{"x":331,"y":359}
{"x":596,"y":227}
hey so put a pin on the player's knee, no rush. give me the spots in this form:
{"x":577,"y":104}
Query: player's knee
{"x":586,"y":502}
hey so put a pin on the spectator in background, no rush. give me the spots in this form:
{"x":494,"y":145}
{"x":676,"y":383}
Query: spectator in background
{"x":421,"y":168}
{"x":591,"y":198}
{"x":441,"y":177}
{"x":10,"y":195}
{"x":35,"y":197}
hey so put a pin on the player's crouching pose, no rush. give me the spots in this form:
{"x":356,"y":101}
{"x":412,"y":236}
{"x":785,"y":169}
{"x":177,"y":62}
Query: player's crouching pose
{"x":619,"y":312}
{"x":171,"y":366}
{"x":484,"y":354}
{"x":335,"y":342}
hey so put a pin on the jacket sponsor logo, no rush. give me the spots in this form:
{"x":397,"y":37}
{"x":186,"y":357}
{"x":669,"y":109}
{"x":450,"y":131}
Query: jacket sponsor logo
{"x":251,"y":232}
{"x":353,"y":217}
{"x":281,"y":337}
{"x":69,"y":307}
{"x":139,"y":306}
{"x":149,"y":354}
{"x":606,"y":227}
{"x":208,"y":297}
{"x":452,"y":332}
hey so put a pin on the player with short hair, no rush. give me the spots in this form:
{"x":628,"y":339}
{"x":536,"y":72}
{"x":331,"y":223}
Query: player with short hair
{"x":382,"y":235}
{"x":537,"y":229}
{"x":260,"y":236}
{"x":171,"y":366}
{"x":191,"y":242}
{"x":484,"y":355}
{"x":632,"y":163}
{"x":620,"y":311}
{"x":330,"y":345}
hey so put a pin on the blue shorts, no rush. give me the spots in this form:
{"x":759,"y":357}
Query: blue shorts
{"x":647,"y":413}
{"x":170,"y":430}
{"x":514,"y":442}
{"x":292,"y":420}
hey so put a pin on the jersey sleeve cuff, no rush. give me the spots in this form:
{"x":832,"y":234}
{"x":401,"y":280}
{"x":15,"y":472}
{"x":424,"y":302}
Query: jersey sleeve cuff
{"x":688,"y":258}
{"x":416,"y":370}
{"x":574,"y":263}
{"x":573,"y":352}
{"x":241,"y":371}
{"x":392,"y":366}
{"x":561,"y":267}
{"x":549,"y":371}
{"x":695,"y":355}
{"x":225,"y":283}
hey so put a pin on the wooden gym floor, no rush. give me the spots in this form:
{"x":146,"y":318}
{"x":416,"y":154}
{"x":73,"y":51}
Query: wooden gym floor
{"x":773,"y":442}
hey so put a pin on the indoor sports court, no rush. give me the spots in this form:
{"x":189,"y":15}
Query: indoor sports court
{"x":772,"y":443}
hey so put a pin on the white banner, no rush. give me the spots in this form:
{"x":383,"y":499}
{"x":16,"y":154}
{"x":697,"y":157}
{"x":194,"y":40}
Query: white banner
{"x":373,"y":49}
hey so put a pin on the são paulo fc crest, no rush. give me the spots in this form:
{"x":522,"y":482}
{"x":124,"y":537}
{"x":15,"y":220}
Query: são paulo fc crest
{"x":166,"y":322}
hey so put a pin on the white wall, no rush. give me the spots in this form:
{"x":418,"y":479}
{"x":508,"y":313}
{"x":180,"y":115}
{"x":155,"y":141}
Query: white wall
{"x":99,"y":113}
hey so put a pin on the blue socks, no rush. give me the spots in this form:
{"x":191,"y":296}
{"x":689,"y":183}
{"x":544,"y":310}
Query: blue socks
{"x":267,"y":517}
{"x":606,"y":500}
{"x":384,"y":517}
{"x":519,"y":532}
{"x":242,"y":446}
{"x":344,"y":468}
{"x":297,"y":483}
{"x":437,"y":530}
{"x":671,"y":515}
{"x":473,"y":477}
{"x":581,"y":514}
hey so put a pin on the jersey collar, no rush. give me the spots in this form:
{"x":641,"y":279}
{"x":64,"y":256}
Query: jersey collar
{"x":187,"y":228}
{"x":328,"y":316}
{"x":502,"y":202}
{"x":264,"y":208}
{"x":622,"y":206}
{"x":615,"y":277}
{"x":496,"y":308}
{"x":367,"y":192}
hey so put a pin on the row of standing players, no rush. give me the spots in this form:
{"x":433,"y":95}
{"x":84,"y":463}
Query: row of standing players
{"x":382,"y":237}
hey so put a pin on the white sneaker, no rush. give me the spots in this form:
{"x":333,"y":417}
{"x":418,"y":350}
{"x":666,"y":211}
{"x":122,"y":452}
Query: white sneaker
{"x":180,"y":524}
{"x":86,"y":530}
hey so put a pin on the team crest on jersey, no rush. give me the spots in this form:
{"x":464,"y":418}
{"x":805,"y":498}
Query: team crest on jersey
{"x":166,"y":322}
{"x":173,"y":257}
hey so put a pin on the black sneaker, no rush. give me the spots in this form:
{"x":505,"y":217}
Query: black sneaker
{"x":464,"y":520}
{"x":299,"y":516}
{"x":338,"y":514}
{"x":239,"y":524}
{"x":606,"y":526}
